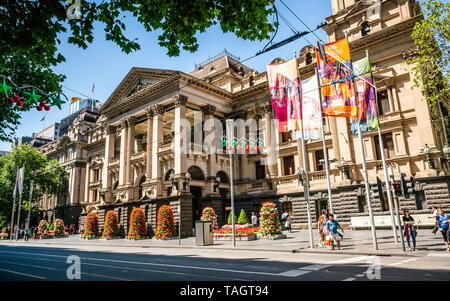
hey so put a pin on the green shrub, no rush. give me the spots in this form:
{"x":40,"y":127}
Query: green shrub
{"x":4,"y":230}
{"x":230,"y":221}
{"x":51,"y":227}
{"x":243,"y":219}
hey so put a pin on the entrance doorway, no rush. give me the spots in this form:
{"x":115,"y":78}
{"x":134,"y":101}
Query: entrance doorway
{"x":320,"y":205}
{"x":196,"y":204}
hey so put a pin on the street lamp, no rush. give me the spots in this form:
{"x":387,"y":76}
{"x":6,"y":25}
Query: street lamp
{"x":344,"y":169}
{"x":447,"y":152}
{"x":427,"y":152}
{"x":300,"y":176}
{"x":188,"y":180}
{"x":217,"y":185}
{"x":172,"y":180}
{"x":268,"y":181}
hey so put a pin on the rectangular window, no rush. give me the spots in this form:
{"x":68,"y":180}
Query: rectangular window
{"x":289,"y":165}
{"x":286,"y":137}
{"x":420,"y":199}
{"x":383,"y":102}
{"x":362,"y":206}
{"x":260,"y":171}
{"x":388,"y":144}
{"x":320,"y":161}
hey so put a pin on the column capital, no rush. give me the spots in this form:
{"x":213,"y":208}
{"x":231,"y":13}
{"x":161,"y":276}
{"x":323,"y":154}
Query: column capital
{"x":157,"y":109}
{"x":267,"y":108}
{"x":180,"y":100}
{"x":149,"y":112}
{"x":122,"y":125}
{"x":109,"y":129}
{"x":208,"y":110}
{"x":131,"y":121}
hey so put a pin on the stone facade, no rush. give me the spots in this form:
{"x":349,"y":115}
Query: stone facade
{"x":132,"y":154}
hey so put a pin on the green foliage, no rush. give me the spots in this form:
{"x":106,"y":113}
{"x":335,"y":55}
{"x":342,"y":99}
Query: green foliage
{"x":51,"y":226}
{"x":230,"y":219}
{"x":59,"y":228}
{"x":48,"y":176}
{"x":243,"y":219}
{"x":431,"y":59}
{"x":30,"y":34}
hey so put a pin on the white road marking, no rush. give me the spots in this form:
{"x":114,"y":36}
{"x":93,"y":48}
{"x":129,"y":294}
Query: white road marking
{"x":349,"y":279}
{"x":315,"y":267}
{"x":294,"y":273}
{"x":439,"y":254}
{"x":360,"y":275}
{"x":351,"y":260}
{"x":402,"y":262}
{"x":24,"y":274}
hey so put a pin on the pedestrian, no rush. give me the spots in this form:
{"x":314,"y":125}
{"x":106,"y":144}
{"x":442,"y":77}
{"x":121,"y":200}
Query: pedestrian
{"x":27,"y":234}
{"x":320,"y":229}
{"x":333,"y":226}
{"x":410,"y":230}
{"x":443,"y":227}
{"x":287,"y":223}
{"x":254,"y":220}
{"x":325,"y":215}
{"x":436,"y":222}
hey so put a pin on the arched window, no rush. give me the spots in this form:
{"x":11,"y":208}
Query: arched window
{"x":365,"y":29}
{"x":223,"y":177}
{"x":196,"y":173}
{"x":168,"y":173}
{"x":141,"y":181}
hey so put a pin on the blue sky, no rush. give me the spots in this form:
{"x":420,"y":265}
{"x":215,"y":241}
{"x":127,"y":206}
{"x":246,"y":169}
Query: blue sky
{"x":104,"y":64}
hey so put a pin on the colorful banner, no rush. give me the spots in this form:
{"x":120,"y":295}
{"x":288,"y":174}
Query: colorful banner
{"x":311,"y":113}
{"x":366,"y":92}
{"x":285,"y":92}
{"x":20,"y":180}
{"x":336,"y":74}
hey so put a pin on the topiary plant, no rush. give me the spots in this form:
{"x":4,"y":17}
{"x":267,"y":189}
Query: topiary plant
{"x":138,"y":227}
{"x":43,"y":225}
{"x":91,"y":226}
{"x":243,"y":219}
{"x":51,"y":227}
{"x":230,"y":221}
{"x":59,"y":228}
{"x":166,"y":224}
{"x":269,"y":220}
{"x":209,"y":214}
{"x":111,"y":228}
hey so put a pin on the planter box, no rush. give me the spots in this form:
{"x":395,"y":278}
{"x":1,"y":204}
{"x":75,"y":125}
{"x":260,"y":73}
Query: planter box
{"x":88,"y":238}
{"x":272,"y":237}
{"x":230,"y":237}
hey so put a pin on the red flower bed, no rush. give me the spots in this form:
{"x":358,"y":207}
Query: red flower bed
{"x":91,"y":227}
{"x":166,"y":224}
{"x":138,"y":226}
{"x":111,"y":228}
{"x":239,"y":231}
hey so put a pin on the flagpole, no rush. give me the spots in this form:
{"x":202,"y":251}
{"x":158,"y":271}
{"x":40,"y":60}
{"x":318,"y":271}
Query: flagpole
{"x":383,"y":158}
{"x":29,"y":205}
{"x":14,"y":206}
{"x":325,"y":150}
{"x":18,"y":215}
{"x":305,"y":173}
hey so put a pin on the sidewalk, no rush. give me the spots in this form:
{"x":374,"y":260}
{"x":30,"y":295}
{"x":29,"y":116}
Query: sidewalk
{"x":355,"y":242}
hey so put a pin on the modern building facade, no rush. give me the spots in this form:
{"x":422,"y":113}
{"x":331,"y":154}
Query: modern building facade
{"x":131,"y":153}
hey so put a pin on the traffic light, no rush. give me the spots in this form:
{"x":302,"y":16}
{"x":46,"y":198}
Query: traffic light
{"x":404,"y":186}
{"x":397,"y":189}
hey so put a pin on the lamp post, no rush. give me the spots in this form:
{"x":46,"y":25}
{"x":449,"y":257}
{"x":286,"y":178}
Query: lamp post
{"x":427,"y":152}
{"x":187,"y":182}
{"x":217,"y":184}
{"x":397,"y":206}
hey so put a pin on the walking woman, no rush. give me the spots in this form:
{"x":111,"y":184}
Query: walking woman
{"x":320,"y":225}
{"x":443,"y":220}
{"x":410,"y":230}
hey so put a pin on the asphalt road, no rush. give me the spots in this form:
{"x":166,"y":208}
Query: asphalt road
{"x":43,"y":263}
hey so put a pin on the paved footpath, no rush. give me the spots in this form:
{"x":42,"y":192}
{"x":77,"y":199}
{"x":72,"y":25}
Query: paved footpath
{"x":121,"y":260}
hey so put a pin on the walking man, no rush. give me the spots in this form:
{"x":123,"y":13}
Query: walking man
{"x":332,"y":226}
{"x":443,"y":220}
{"x":27,"y":233}
{"x":436,"y":223}
{"x":254,"y":220}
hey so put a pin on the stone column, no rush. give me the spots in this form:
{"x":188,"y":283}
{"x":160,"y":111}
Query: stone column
{"x":344,"y":139}
{"x":268,"y":143}
{"x":109,"y":154}
{"x":148,"y":167}
{"x":123,"y":153}
{"x":86,"y":186}
{"x":157,"y":140}
{"x":180,"y":154}
{"x":130,"y":150}
{"x":208,"y":112}
{"x":335,"y":138}
{"x":395,"y":97}
{"x":391,"y":100}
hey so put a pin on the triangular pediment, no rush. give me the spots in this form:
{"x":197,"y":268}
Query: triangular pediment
{"x":134,"y":82}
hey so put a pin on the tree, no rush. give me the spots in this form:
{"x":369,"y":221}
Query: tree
{"x":30,"y":34}
{"x":431,"y":59}
{"x":243,"y":219}
{"x":230,"y":219}
{"x":48,"y":176}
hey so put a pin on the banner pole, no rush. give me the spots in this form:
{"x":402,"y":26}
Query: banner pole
{"x":14,"y":206}
{"x":325,"y":150}
{"x":305,"y":178}
{"x":383,"y":158}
